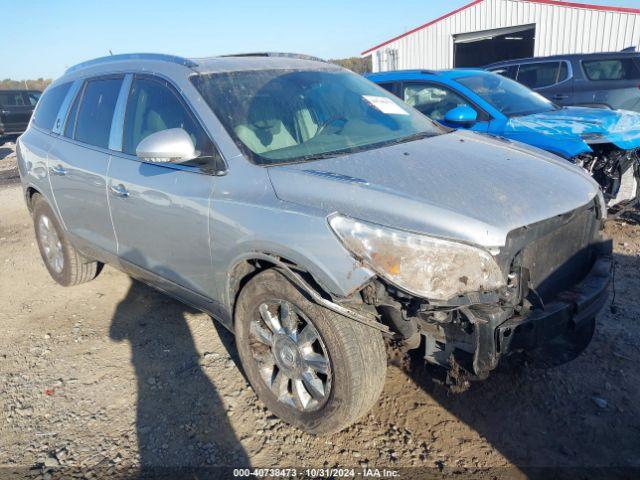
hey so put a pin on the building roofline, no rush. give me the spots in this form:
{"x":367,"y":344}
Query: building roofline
{"x":559,"y":3}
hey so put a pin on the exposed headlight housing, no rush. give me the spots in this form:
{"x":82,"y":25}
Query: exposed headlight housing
{"x":428,"y":267}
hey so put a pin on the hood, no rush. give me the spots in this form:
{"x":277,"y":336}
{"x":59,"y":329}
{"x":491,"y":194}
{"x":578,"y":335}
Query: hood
{"x":569,"y":131}
{"x":460,"y":185}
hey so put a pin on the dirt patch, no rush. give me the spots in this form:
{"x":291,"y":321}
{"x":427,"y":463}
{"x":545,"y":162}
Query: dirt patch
{"x":113,"y":373}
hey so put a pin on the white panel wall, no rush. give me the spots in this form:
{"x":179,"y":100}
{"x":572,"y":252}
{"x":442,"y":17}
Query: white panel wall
{"x":559,"y":30}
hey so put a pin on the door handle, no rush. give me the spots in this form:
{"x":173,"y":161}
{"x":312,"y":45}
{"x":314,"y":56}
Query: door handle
{"x":560,"y":96}
{"x":58,"y":170}
{"x":119,"y":190}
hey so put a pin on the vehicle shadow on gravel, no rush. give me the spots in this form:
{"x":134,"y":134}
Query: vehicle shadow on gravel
{"x":580,"y":414}
{"x":181,"y":419}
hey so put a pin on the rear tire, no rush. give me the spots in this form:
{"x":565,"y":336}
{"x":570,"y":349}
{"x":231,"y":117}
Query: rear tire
{"x":65,"y":264}
{"x":343,"y":380}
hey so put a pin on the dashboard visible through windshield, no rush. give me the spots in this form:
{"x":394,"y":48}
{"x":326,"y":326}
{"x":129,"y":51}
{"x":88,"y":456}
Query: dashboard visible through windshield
{"x":283,"y":116}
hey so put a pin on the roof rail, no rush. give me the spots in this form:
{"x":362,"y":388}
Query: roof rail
{"x":629,"y":49}
{"x":276,"y":54}
{"x":133,"y":56}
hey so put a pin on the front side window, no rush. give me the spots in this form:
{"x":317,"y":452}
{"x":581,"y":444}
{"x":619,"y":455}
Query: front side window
{"x":93,"y":123}
{"x":47,"y":111}
{"x":152,"y":107}
{"x":507,"y":96}
{"x":611,"y":69}
{"x":538,"y":75}
{"x":433,"y":101}
{"x":280,"y":116}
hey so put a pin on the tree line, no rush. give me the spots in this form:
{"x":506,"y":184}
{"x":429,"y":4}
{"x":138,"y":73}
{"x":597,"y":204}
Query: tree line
{"x":39,"y":84}
{"x":356,"y":64}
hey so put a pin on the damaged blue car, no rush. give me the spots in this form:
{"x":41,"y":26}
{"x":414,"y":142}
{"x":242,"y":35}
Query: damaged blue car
{"x":606,"y":143}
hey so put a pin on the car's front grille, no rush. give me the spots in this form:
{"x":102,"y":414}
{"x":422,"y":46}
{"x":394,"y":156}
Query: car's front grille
{"x":563,"y":257}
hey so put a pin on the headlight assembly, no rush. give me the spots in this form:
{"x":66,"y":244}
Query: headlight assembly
{"x":429,"y":267}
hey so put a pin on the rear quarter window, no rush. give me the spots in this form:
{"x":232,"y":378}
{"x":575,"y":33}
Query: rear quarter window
{"x":49,"y":104}
{"x":611,"y":69}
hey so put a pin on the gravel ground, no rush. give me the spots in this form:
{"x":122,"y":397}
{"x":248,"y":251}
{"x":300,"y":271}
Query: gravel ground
{"x":116,"y":375}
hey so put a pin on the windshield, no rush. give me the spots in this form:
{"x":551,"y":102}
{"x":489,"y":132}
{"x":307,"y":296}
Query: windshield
{"x":511,"y":98}
{"x":281,"y":116}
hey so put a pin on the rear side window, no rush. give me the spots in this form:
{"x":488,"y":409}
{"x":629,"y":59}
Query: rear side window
{"x":611,"y":69}
{"x":12,"y":99}
{"x":70,"y":127}
{"x":93,"y":124}
{"x":544,"y":74}
{"x":152,"y":107}
{"x":49,"y":105}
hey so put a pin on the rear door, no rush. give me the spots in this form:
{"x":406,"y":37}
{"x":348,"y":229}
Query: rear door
{"x":550,"y":79}
{"x":78,"y":163}
{"x":15,"y":111}
{"x":614,"y":81}
{"x":160,"y":211}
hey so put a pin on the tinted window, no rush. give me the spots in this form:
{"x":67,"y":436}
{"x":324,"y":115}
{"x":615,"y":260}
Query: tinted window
{"x":564,"y":72}
{"x":153,"y":106}
{"x":508,"y":71}
{"x":389,"y":87}
{"x":12,"y":99}
{"x":612,"y":69}
{"x":433,"y":101}
{"x":93,"y":125}
{"x":70,"y":127}
{"x":537,"y":75}
{"x":49,"y":105}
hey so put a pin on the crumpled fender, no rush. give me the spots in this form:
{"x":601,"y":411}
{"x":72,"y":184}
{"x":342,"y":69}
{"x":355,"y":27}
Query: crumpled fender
{"x":570,"y":131}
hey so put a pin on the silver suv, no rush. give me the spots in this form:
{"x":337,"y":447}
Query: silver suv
{"x":315,"y":215}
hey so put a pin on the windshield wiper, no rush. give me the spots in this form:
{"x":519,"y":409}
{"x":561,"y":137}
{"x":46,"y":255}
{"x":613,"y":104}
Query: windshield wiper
{"x":412,"y":137}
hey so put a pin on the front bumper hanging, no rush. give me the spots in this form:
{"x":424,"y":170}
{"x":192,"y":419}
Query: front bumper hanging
{"x":559,"y":331}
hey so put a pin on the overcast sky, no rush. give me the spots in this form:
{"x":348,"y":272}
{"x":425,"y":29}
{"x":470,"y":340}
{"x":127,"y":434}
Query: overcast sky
{"x":43,"y":37}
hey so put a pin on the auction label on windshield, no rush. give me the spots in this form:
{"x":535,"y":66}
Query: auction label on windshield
{"x":385,"y":105}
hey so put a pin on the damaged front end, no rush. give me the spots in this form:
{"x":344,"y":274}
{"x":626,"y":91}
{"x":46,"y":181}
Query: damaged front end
{"x":540,"y":292}
{"x":616,"y":170}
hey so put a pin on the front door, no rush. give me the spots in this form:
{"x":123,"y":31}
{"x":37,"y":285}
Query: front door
{"x":161,"y":211}
{"x":78,"y":163}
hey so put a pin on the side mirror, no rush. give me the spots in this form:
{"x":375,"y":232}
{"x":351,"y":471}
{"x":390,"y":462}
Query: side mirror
{"x":172,"y":145}
{"x":463,"y":116}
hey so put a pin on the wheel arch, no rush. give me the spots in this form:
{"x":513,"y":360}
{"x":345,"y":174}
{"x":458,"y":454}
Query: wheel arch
{"x":250,"y":264}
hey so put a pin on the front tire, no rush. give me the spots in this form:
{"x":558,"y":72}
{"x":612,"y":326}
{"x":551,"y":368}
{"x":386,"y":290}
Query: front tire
{"x":312,"y":367}
{"x":65,"y":264}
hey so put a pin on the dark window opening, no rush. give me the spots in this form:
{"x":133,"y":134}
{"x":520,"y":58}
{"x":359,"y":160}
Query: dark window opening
{"x":496,"y":48}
